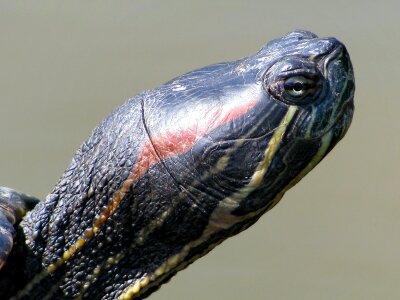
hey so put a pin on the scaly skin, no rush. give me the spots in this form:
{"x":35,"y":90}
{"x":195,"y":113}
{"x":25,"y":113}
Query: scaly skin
{"x":175,"y":170}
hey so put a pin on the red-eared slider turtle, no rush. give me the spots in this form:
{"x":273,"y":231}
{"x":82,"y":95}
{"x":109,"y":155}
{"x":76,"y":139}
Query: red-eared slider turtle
{"x":176,"y":170}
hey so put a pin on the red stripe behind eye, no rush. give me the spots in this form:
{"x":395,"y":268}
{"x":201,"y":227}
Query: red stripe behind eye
{"x":180,"y":140}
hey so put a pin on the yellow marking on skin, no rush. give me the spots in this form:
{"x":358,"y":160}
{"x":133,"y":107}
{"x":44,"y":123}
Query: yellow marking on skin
{"x":135,"y":288}
{"x":21,"y":212}
{"x":311,"y":123}
{"x":221,"y":216}
{"x":66,"y":255}
{"x":222,"y":163}
{"x":144,"y":282}
{"x":112,"y":260}
{"x":325,"y":142}
{"x":153,"y":280}
{"x":222,"y":211}
{"x":161,"y":270}
{"x":154,"y":224}
{"x":173,"y":260}
{"x":96,"y":271}
{"x":51,"y":268}
{"x":89,"y":233}
{"x":140,"y":239}
{"x":106,"y":213}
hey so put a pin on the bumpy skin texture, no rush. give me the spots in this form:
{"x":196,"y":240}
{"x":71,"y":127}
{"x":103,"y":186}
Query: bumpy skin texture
{"x":13,"y":206}
{"x":176,"y":170}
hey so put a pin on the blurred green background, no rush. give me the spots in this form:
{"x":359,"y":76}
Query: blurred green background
{"x":65,"y":64}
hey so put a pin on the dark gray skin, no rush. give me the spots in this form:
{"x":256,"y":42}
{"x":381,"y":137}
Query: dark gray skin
{"x":176,"y":170}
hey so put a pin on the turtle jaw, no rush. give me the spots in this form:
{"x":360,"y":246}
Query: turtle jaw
{"x":342,"y":107}
{"x":334,"y":111}
{"x":339,"y":128}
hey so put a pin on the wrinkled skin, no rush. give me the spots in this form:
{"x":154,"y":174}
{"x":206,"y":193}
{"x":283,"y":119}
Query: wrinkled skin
{"x":175,"y":170}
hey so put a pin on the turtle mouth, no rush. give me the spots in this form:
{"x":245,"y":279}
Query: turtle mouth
{"x":343,"y":106}
{"x":342,"y":122}
{"x":340,"y":119}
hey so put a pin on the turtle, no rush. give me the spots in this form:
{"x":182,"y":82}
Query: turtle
{"x":176,"y":170}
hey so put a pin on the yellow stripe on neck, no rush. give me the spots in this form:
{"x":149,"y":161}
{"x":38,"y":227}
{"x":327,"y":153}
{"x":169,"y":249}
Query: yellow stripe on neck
{"x":222,"y":212}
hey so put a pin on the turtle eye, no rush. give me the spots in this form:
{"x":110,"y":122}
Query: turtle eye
{"x":295,"y":81}
{"x":300,"y":87}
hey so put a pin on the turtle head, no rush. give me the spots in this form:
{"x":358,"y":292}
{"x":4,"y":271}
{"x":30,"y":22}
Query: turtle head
{"x":305,"y":85}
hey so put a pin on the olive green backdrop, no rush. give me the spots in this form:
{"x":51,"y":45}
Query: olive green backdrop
{"x":65,"y":64}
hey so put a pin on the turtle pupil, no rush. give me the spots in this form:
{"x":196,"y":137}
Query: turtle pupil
{"x":298,"y":86}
